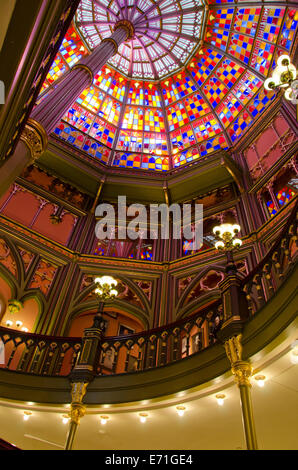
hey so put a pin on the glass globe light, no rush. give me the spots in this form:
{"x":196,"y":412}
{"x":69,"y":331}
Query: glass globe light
{"x":219,"y":245}
{"x":236,"y":228}
{"x":237,"y":243}
{"x":227,"y":229}
{"x":114,"y":292}
{"x":270,"y":84}
{"x":283,"y":60}
{"x":289,"y":95}
{"x":106,"y":280}
{"x":217,"y":230}
{"x":9,"y":323}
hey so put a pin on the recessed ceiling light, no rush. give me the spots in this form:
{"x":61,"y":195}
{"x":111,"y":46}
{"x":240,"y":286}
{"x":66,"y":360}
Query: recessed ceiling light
{"x":143,"y":417}
{"x":181,"y":410}
{"x":27,"y":415}
{"x":104,"y":419}
{"x":260,"y":380}
{"x":65,"y":419}
{"x":220,"y":397}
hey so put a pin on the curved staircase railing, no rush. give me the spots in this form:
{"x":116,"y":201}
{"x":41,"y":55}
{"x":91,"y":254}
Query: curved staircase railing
{"x":56,"y":356}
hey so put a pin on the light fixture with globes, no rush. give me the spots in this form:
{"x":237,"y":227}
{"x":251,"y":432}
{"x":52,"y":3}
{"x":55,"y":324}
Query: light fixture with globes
{"x":105,"y":288}
{"x":284,"y":76}
{"x":226,"y":235}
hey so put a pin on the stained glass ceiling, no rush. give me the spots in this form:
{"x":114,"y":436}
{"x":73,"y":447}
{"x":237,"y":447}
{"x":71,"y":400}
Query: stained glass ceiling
{"x":207,"y":105}
{"x":167,"y":32}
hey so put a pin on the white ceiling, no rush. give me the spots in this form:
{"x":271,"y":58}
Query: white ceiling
{"x":205,"y":425}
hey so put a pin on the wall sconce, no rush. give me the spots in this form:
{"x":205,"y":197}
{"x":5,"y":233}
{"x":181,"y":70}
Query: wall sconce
{"x":14,"y":306}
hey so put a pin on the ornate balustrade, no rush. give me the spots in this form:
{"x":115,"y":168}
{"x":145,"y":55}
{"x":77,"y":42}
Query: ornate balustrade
{"x":50,"y":355}
{"x":56,"y":356}
{"x":264,"y":281}
{"x":38,"y":354}
{"x":159,"y":346}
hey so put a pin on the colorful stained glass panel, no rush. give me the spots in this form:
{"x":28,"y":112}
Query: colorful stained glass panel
{"x":196,"y":107}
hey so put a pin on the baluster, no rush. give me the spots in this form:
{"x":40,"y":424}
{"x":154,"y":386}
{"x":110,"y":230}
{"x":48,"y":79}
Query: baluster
{"x":37,"y":357}
{"x":285,"y":245}
{"x":76,"y":352}
{"x":176,"y":345}
{"x":128,"y":345}
{"x":277,"y":265}
{"x":268,"y":278}
{"x":116,"y":347}
{"x":248,"y":291}
{"x":11,"y":355}
{"x":152,"y":351}
{"x":50,"y":359}
{"x":257,"y":281}
{"x":164,"y":348}
{"x":141,"y":355}
{"x":61,"y":355}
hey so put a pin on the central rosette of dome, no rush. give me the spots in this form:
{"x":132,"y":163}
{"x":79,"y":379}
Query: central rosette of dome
{"x":162,"y":34}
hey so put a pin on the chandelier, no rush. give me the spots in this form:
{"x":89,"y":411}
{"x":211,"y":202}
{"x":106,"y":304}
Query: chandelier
{"x":284,"y":76}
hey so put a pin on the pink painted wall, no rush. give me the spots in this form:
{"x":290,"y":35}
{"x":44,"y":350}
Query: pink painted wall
{"x":24,"y":205}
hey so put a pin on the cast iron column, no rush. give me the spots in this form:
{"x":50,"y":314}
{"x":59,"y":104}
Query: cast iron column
{"x":48,"y":113}
{"x":84,"y":372}
{"x":235,"y":315}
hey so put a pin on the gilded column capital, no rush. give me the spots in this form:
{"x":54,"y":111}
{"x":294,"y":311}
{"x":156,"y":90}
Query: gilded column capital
{"x":36,"y":139}
{"x":78,"y":391}
{"x":233,"y":349}
{"x":242,"y":370}
{"x":87,"y":69}
{"x":77,"y":410}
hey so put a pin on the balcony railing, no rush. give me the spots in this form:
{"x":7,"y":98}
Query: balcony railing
{"x":56,"y":356}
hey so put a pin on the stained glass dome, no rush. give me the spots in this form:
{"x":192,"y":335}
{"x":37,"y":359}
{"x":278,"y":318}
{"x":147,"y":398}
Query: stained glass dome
{"x":201,"y":69}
